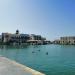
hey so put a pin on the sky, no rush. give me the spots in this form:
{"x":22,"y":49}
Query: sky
{"x":49,"y":18}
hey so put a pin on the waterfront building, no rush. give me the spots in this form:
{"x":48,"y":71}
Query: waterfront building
{"x":6,"y":37}
{"x":36,"y":39}
{"x":0,"y":38}
{"x":67,"y":40}
{"x":56,"y":41}
{"x":23,"y":38}
{"x":15,"y":38}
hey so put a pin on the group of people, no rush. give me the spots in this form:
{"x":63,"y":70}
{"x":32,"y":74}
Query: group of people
{"x":39,"y":51}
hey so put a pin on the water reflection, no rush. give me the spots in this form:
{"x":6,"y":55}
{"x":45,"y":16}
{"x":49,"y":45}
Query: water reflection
{"x":13,"y":46}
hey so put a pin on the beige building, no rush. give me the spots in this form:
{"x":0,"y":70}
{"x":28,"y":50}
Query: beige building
{"x":15,"y":38}
{"x":6,"y":37}
{"x":67,"y":40}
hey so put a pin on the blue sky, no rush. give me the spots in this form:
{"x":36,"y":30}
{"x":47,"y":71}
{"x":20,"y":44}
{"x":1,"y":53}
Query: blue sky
{"x":50,"y":18}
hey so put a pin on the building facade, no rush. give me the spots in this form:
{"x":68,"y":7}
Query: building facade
{"x":22,"y":38}
{"x":56,"y":41}
{"x":36,"y":37}
{"x":67,"y":40}
{"x":15,"y":38}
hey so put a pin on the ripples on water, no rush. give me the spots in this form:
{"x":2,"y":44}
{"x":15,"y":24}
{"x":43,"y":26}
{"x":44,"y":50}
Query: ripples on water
{"x":59,"y":61}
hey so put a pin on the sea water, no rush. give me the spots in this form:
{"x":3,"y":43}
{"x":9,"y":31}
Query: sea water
{"x":48,"y":59}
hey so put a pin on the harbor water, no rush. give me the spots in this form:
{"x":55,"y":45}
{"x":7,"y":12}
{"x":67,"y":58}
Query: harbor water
{"x":48,"y":59}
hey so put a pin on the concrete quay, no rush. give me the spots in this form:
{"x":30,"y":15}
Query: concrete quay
{"x":10,"y":67}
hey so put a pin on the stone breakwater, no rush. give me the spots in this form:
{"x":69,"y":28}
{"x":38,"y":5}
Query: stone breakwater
{"x":10,"y":67}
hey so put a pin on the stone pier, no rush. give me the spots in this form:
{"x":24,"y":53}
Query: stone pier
{"x":10,"y":67}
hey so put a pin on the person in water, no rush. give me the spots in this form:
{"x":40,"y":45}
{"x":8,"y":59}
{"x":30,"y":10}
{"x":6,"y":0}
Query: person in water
{"x":39,"y":50}
{"x":33,"y":52}
{"x":46,"y":53}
